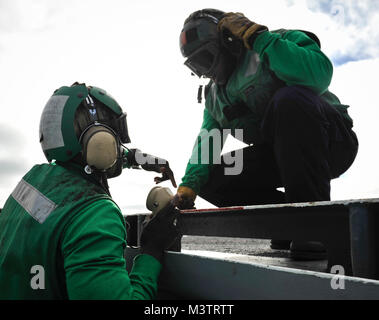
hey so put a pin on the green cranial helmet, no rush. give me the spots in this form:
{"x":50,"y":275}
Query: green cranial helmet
{"x":71,"y":112}
{"x":200,"y":41}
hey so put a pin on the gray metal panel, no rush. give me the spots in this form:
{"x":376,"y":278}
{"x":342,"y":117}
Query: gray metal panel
{"x":348,"y":229}
{"x":194,"y":277}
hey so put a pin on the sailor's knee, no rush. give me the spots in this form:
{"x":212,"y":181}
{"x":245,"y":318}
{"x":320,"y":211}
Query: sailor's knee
{"x":286,"y":100}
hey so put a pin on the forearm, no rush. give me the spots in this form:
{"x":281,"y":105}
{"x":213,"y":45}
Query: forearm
{"x":136,"y":158}
{"x":94,"y":264}
{"x":195,"y":177}
{"x":295,"y":59}
{"x":143,"y":281}
{"x":109,"y":280}
{"x":205,"y":153}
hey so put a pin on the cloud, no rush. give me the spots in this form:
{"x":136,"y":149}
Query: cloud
{"x":11,"y":171}
{"x":13,"y":164}
{"x":9,"y":168}
{"x":343,"y":58}
{"x":15,"y":16}
{"x":10,"y":138}
{"x":352,"y":28}
{"x":348,"y":12}
{"x":130,"y":48}
{"x":355,"y":84}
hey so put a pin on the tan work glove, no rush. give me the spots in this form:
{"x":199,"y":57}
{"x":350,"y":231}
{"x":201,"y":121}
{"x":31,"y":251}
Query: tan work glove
{"x":241,"y":27}
{"x":185,"y":198}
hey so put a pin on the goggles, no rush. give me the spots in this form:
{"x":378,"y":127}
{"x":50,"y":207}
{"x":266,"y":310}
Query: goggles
{"x":204,"y":60}
{"x":121,"y":127}
{"x":118,"y":125}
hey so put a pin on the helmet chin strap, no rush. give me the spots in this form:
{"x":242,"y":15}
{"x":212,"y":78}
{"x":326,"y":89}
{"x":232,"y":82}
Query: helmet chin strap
{"x":224,"y":68}
{"x":203,"y":82}
{"x":200,"y":94}
{"x":222,"y":71}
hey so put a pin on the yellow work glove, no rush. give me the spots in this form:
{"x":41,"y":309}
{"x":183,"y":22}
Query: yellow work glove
{"x":241,"y":28}
{"x":185,"y":198}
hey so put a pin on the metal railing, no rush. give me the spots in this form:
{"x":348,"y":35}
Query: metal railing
{"x":348,"y":229}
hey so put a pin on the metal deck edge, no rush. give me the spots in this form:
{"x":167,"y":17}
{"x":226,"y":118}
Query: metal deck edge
{"x":288,"y":205}
{"x":187,"y":276}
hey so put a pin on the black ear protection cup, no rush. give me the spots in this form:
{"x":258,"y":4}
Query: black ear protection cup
{"x":101,"y":147}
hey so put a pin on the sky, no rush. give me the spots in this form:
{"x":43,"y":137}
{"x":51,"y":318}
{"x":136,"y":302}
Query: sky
{"x":131,"y":49}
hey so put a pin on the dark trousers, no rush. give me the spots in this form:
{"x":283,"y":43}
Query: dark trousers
{"x":307,"y":144}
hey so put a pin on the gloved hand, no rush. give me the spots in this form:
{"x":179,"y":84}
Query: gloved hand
{"x":160,"y":232}
{"x":151,"y":163}
{"x":241,"y":27}
{"x":167,"y":174}
{"x":185,"y":198}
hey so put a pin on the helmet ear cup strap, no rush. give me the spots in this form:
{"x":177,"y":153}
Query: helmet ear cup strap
{"x":100,"y":147}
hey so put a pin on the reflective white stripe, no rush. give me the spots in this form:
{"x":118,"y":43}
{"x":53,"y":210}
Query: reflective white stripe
{"x":50,"y":125}
{"x":33,"y":201}
{"x":253,"y":65}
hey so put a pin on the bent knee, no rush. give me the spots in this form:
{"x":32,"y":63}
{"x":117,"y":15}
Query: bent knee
{"x":290,"y":99}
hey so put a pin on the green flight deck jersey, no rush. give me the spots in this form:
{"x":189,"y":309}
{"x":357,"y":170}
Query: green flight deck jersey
{"x":278,"y":58}
{"x":63,"y":237}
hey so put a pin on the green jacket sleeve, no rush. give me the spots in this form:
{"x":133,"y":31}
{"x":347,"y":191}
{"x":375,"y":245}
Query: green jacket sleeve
{"x":295,"y":59}
{"x":197,"y":171}
{"x":93,"y":252}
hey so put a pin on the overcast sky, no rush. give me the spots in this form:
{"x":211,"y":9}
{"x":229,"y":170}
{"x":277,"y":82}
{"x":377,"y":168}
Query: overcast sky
{"x":131,"y":49}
